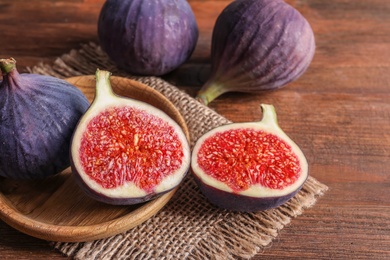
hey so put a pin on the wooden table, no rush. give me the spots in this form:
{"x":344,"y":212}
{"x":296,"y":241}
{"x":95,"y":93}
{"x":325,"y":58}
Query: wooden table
{"x":338,"y":112}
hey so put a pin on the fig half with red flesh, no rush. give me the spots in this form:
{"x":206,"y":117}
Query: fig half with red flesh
{"x":125,"y":151}
{"x":249,"y":166}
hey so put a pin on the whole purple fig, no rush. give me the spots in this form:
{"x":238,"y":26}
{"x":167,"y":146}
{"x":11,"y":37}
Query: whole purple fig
{"x":257,"y":45}
{"x":147,"y":37}
{"x":37,"y":117}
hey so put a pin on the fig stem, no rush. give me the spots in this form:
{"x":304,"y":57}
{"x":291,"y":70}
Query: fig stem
{"x":103,"y":84}
{"x":269,"y":115}
{"x":209,"y":92}
{"x":7,"y":65}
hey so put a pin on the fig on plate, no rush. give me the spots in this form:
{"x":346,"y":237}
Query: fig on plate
{"x":37,"y":117}
{"x":249,"y":166}
{"x":125,"y":151}
{"x":147,"y":37}
{"x":257,"y":45}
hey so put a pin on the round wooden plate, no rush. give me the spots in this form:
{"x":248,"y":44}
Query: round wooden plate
{"x":56,"y":209}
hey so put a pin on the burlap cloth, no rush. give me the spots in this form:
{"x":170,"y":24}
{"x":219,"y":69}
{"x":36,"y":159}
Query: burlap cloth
{"x":188,"y":227}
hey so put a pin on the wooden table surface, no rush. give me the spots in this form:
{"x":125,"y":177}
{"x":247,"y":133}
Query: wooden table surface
{"x":338,"y":112}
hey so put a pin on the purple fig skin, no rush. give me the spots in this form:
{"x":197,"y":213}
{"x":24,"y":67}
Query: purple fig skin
{"x":147,"y":37}
{"x":241,"y":203}
{"x":257,"y":45}
{"x":37,"y":117}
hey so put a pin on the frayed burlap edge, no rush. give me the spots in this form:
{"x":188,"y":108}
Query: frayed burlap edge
{"x":188,"y":227}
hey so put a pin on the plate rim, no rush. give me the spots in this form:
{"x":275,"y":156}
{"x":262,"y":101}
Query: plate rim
{"x":43,"y":230}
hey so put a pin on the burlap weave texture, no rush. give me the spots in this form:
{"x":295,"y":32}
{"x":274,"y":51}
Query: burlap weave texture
{"x":188,"y":227}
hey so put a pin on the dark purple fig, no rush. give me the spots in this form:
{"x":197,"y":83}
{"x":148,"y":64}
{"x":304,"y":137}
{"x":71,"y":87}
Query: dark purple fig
{"x":147,"y":37}
{"x":37,"y":117}
{"x":250,"y":166}
{"x":125,"y":151}
{"x":257,"y":45}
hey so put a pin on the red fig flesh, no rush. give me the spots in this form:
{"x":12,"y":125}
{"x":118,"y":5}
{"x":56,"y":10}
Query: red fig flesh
{"x":125,"y":151}
{"x":249,"y":166}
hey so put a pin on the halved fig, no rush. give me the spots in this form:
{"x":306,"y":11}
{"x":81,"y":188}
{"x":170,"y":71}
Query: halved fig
{"x":125,"y":151}
{"x":249,"y":166}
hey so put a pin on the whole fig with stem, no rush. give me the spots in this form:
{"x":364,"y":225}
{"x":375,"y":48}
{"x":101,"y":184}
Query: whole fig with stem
{"x":125,"y":151}
{"x":257,"y":45}
{"x":250,"y":166}
{"x":148,"y":37}
{"x":37,"y":117}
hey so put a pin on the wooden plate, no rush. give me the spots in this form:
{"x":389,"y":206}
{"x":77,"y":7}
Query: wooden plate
{"x":56,"y":209}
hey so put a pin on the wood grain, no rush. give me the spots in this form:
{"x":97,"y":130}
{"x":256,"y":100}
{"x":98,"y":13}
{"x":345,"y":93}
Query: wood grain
{"x":338,"y":112}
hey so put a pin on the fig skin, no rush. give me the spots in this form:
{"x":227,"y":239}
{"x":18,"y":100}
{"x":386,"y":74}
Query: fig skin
{"x":257,"y":196}
{"x":236,"y":202}
{"x":257,"y":46}
{"x":37,"y":117}
{"x":126,"y":192}
{"x":148,"y":37}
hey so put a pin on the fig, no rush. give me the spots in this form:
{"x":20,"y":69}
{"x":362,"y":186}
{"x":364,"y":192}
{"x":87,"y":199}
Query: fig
{"x":125,"y":151}
{"x":37,"y":117}
{"x":257,"y":45}
{"x":249,"y":167}
{"x":148,"y":37}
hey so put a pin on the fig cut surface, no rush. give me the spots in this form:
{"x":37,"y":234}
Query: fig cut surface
{"x":249,"y":166}
{"x":125,"y":151}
